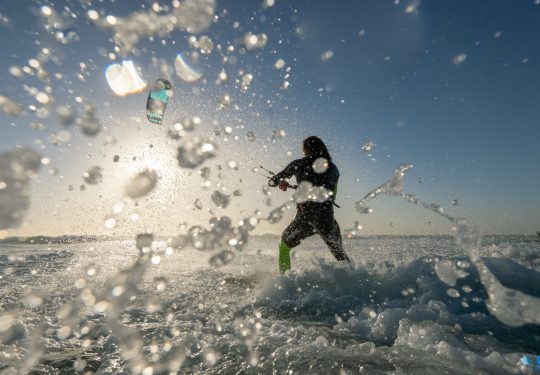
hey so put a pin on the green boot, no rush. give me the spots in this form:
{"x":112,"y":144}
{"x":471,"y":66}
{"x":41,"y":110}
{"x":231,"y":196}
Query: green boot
{"x":284,"y":257}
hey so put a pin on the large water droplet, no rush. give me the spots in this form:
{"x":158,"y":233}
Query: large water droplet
{"x":141,"y":184}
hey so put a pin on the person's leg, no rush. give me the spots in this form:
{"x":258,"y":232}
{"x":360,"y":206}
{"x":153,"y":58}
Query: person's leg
{"x":298,"y":230}
{"x":330,"y":232}
{"x":335,"y":244}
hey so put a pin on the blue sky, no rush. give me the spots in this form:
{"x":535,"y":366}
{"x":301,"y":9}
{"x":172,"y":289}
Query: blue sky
{"x":470,"y":129}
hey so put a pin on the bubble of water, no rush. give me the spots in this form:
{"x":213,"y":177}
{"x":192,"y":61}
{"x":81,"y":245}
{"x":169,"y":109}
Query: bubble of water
{"x":223,"y":75}
{"x":245,"y":82}
{"x":211,"y":357}
{"x":327,"y":55}
{"x":34,"y":299}
{"x":63,"y":136}
{"x":89,"y":123}
{"x":194,"y":152}
{"x":362,"y":209}
{"x":160,"y":283}
{"x":144,"y":242}
{"x":254,"y":41}
{"x":222,"y":258}
{"x":110,"y":223}
{"x":9,"y":107}
{"x":184,"y":70}
{"x":152,"y":305}
{"x":118,"y":207}
{"x":276,"y":214}
{"x":93,"y":176}
{"x":320,"y":165}
{"x":224,"y":101}
{"x":141,"y":184}
{"x":220,"y":200}
{"x":187,"y":123}
{"x":367,"y":146}
{"x":446,"y":271}
{"x":92,"y":14}
{"x":412,"y":7}
{"x":205,"y":172}
{"x":459,"y":59}
{"x":42,"y":98}
{"x":124,"y":78}
{"x":205,"y":44}
{"x":278,"y":134}
{"x":198,"y":204}
{"x":79,"y":365}
{"x":279,"y":64}
{"x":17,"y":167}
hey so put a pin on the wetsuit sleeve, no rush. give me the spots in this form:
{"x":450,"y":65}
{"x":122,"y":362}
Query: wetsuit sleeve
{"x":288,"y":172}
{"x":332,"y":178}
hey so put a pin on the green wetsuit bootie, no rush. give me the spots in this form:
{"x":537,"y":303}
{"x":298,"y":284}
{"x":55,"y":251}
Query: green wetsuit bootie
{"x":284,"y":261}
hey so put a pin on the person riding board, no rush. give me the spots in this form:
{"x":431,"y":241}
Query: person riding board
{"x":311,"y":217}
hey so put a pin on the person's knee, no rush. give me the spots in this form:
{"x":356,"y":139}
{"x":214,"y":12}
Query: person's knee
{"x":290,"y":241}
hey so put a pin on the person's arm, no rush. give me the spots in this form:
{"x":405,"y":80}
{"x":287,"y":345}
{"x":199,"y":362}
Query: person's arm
{"x":332,"y":181}
{"x":288,"y":172}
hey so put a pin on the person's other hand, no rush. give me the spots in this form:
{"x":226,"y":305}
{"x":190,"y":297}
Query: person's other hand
{"x":283,"y":185}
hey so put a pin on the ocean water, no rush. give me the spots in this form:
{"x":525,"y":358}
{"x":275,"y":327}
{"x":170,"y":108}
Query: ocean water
{"x":96,"y":308}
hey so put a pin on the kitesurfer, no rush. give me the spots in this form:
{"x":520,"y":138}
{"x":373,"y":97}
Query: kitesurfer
{"x":311,"y":217}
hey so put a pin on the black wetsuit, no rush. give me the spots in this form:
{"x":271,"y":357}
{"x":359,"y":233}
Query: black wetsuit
{"x":313,"y":217}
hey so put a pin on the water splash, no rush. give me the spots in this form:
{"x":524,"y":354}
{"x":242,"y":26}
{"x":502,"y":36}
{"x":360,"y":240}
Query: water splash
{"x":307,"y":192}
{"x":190,"y":15}
{"x":394,"y":186}
{"x":512,"y":307}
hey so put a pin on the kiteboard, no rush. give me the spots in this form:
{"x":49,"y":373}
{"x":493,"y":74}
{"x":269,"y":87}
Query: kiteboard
{"x":157,"y":101}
